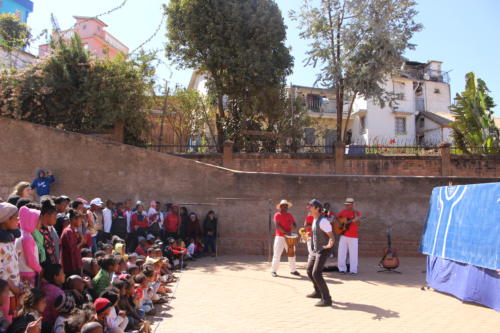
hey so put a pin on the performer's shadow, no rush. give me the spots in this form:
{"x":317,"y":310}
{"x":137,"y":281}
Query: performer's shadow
{"x":379,"y":313}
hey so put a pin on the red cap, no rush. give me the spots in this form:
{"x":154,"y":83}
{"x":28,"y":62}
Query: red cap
{"x":101,"y":304}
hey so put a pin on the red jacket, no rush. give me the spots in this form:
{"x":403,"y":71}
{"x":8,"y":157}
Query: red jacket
{"x":71,"y":257}
{"x":137,"y":223}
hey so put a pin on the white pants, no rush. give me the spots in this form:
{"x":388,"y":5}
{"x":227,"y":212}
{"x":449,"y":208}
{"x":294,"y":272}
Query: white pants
{"x":348,"y":244}
{"x":279,"y":247}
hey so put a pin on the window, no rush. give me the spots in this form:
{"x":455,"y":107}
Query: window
{"x":437,"y":91}
{"x":362,"y":124}
{"x":422,"y":122}
{"x":313,"y":102}
{"x":400,"y":125}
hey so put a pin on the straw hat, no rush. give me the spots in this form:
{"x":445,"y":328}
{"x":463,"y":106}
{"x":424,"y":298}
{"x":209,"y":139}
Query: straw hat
{"x":284,"y":202}
{"x":349,"y":201}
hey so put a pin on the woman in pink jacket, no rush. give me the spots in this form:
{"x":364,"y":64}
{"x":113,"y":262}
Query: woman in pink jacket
{"x":26,"y":247}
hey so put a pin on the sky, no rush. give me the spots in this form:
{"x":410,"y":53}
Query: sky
{"x":463,"y":34}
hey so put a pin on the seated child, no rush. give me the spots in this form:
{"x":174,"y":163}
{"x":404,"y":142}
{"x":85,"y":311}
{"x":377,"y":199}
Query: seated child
{"x":114,"y":319}
{"x":78,"y":288}
{"x":145,"y":304}
{"x":33,"y":307}
{"x":65,"y":305}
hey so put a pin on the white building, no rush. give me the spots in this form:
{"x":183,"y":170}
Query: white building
{"x":421,"y":114}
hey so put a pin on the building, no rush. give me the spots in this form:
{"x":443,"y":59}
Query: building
{"x":321,"y":106}
{"x":21,"y":8}
{"x":94,"y":37}
{"x":421,"y":114}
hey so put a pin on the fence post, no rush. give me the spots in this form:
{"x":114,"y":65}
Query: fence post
{"x":119,"y":131}
{"x":339,"y":157}
{"x":227,"y":155}
{"x":445,"y":148}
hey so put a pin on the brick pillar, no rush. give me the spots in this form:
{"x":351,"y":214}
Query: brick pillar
{"x":339,"y":158}
{"x":227,"y":155}
{"x":119,"y":131}
{"x":445,"y":159}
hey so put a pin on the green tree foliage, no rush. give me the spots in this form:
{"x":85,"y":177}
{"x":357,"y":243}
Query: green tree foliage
{"x":72,"y":90}
{"x":357,"y":44}
{"x":474,"y":126}
{"x":239,"y":43}
{"x":13,"y":33}
{"x":187,"y":115}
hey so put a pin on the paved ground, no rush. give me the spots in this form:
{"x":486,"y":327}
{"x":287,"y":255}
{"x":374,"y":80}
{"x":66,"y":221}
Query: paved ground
{"x":239,"y":295}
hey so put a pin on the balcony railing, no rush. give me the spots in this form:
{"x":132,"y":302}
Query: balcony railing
{"x":427,"y":74}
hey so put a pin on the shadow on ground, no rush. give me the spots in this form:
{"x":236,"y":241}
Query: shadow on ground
{"x":412,"y":270}
{"x":378,"y":313}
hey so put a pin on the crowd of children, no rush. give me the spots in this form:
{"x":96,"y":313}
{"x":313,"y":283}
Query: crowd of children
{"x":69,"y":266}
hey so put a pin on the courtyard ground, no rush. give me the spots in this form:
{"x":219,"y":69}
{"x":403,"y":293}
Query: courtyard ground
{"x":238,"y":294}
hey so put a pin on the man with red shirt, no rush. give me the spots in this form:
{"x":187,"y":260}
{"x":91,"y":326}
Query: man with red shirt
{"x":308,"y":227}
{"x":349,"y":240}
{"x":284,"y":223}
{"x":171,"y":223}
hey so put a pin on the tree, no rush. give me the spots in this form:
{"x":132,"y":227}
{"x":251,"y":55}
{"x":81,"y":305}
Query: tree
{"x":186,"y":115}
{"x":13,"y":33}
{"x":74,"y":91}
{"x":358,"y":44}
{"x":239,"y":43}
{"x":474,"y":125}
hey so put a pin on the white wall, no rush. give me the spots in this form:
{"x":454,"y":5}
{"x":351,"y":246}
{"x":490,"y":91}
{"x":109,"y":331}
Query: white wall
{"x":16,"y":59}
{"x":381,"y":122}
{"x":437,"y":102}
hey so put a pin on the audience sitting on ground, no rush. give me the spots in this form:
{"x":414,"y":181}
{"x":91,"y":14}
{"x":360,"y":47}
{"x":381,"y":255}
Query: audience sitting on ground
{"x":62,"y":268}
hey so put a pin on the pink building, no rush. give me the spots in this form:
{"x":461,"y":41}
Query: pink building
{"x":98,"y":41}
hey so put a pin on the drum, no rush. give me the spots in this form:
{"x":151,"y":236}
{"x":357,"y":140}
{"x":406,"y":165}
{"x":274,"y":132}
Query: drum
{"x":291,"y":241}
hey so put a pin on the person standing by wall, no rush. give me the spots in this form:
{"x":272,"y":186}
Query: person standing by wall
{"x":348,"y":242}
{"x":97,"y":219}
{"x":107,"y":220}
{"x":284,"y":223}
{"x":210,"y":233}
{"x":41,"y":184}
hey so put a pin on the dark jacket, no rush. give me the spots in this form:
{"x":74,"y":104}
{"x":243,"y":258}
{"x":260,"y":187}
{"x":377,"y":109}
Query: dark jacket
{"x":210,"y":226}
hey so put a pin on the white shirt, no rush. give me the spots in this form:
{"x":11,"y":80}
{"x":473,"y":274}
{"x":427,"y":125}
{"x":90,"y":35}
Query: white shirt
{"x":324,"y":225}
{"x":128,"y":215}
{"x":190,"y":249}
{"x":107,"y":219}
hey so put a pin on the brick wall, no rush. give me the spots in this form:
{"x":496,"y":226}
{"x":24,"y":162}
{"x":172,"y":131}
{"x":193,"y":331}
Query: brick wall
{"x":90,"y":167}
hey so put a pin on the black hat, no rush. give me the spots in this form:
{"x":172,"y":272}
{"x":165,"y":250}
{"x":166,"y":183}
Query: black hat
{"x":316,"y":203}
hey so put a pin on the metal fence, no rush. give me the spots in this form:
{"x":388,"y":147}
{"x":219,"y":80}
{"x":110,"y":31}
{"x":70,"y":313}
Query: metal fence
{"x":352,"y":149}
{"x":183,"y":149}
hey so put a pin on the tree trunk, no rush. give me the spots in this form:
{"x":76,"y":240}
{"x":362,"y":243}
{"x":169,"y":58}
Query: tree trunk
{"x":348,"y":117}
{"x":339,"y":94}
{"x":220,"y":125}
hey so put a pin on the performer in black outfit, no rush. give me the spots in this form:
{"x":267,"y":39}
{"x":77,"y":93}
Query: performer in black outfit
{"x":321,"y":246}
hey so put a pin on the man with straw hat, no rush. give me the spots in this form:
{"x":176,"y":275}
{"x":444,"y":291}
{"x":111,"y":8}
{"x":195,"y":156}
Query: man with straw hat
{"x":284,"y":223}
{"x":348,"y":242}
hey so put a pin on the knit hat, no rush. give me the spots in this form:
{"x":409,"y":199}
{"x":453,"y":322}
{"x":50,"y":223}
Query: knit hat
{"x":7,"y":210}
{"x":64,"y":303}
{"x":101,"y":305}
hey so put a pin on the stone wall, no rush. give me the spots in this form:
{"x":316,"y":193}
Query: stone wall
{"x":90,"y":167}
{"x":459,"y":165}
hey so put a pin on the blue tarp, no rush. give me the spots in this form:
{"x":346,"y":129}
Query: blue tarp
{"x":467,"y":282}
{"x":463,"y":225}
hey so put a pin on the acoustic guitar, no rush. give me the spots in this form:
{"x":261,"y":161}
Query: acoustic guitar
{"x":341,"y":224}
{"x":390,"y":260}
